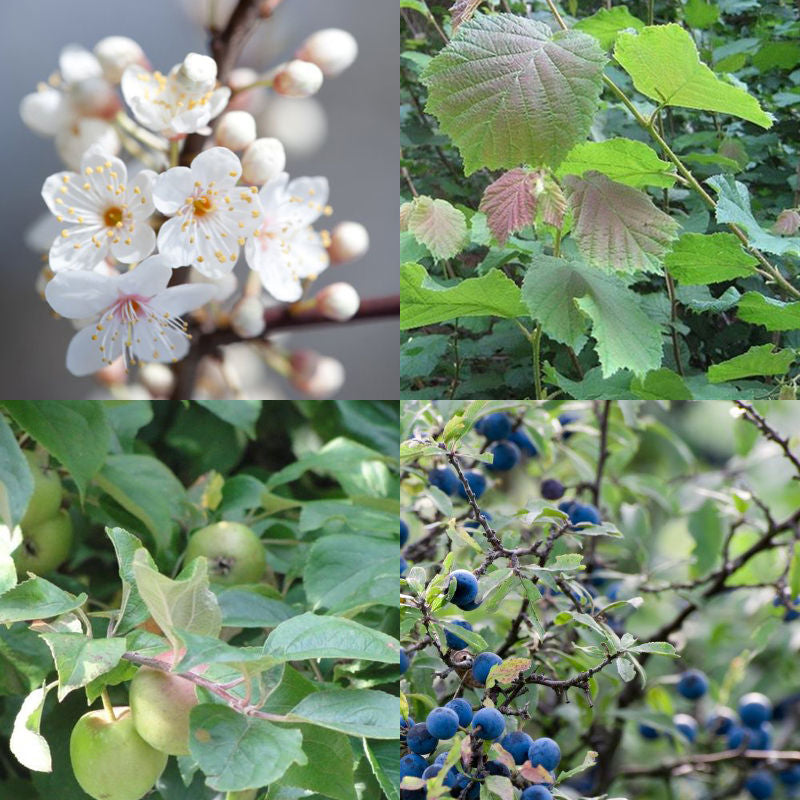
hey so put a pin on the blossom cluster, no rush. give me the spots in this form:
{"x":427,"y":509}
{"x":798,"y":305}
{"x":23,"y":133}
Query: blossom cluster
{"x":136,"y":204}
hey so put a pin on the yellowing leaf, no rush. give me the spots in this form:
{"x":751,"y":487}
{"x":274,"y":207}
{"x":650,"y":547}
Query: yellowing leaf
{"x":437,"y":225}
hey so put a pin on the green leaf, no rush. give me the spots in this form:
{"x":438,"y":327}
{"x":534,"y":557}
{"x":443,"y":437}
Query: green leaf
{"x":758,"y":360}
{"x":794,"y":575}
{"x":425,"y":302}
{"x":508,"y":90}
{"x":76,"y":432}
{"x":202,"y":649}
{"x":382,"y":757}
{"x":438,"y":226}
{"x":146,"y":488}
{"x":656,"y":648}
{"x":733,"y":205}
{"x":185,"y":604}
{"x":347,"y":573}
{"x":664,"y":64}
{"x":313,"y":636}
{"x":606,"y":24}
{"x":329,"y":767}
{"x":37,"y":599}
{"x":252,"y":607}
{"x":132,"y":607}
{"x":772,"y":314}
{"x":242,"y":414}
{"x":28,"y":746}
{"x":705,"y":526}
{"x":698,"y":258}
{"x":623,"y":160}
{"x":589,"y":760}
{"x":356,"y":712}
{"x":241,"y":752}
{"x":661,"y":384}
{"x":616,"y":226}
{"x":375,"y":423}
{"x":335,"y":515}
{"x":557,"y":291}
{"x":10,"y":540}
{"x":79,"y":659}
{"x":16,"y":481}
{"x":127,"y":418}
{"x":701,"y":13}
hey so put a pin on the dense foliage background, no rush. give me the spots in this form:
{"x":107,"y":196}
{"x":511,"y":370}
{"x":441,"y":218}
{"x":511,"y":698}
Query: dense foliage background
{"x":749,"y":44}
{"x":317,"y":482}
{"x":698,"y":547}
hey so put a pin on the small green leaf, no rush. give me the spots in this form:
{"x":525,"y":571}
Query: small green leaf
{"x":773,"y":314}
{"x":37,"y":599}
{"x":758,"y":360}
{"x":606,"y":24}
{"x":698,"y":258}
{"x":656,"y":648}
{"x":661,"y":384}
{"x":16,"y":481}
{"x":437,"y":225}
{"x":356,"y":712}
{"x":705,"y":526}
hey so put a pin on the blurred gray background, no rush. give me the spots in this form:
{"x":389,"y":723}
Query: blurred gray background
{"x":359,"y":158}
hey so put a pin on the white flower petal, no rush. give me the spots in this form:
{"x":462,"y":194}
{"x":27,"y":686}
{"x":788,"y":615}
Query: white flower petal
{"x":215,"y":255}
{"x":154,"y":342}
{"x":84,"y":355}
{"x":76,"y":63}
{"x":171,"y":189}
{"x":73,"y":139}
{"x":78,"y":250}
{"x":178,"y":300}
{"x":308,"y":255}
{"x":147,"y":279}
{"x":217,"y":164}
{"x":141,"y":203}
{"x":77,"y":295}
{"x":268,"y":259}
{"x":218,"y":102}
{"x":44,"y":112}
{"x":307,"y":198}
{"x":272,"y":193}
{"x":134,"y":246}
{"x":64,"y":191}
{"x":174,"y":243}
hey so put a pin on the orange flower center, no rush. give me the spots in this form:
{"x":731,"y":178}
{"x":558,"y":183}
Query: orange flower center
{"x":113,"y":216}
{"x":202,"y":205}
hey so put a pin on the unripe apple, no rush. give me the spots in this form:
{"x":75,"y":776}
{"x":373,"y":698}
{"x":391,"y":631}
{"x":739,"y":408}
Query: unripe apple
{"x":46,"y":498}
{"x":109,"y":758}
{"x":45,"y":545}
{"x":235,"y":554}
{"x":160,"y":705}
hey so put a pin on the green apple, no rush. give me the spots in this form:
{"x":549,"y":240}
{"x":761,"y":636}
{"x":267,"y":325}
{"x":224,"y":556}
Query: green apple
{"x":45,"y":545}
{"x":110,"y":760}
{"x":160,"y":706}
{"x":235,"y":554}
{"x":46,"y":498}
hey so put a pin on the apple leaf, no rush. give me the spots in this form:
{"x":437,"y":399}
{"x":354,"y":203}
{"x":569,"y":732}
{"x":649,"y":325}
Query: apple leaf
{"x":617,"y":226}
{"x":510,"y":202}
{"x":315,"y":636}
{"x":438,"y":226}
{"x":79,"y":659}
{"x":356,"y":712}
{"x":606,"y":24}
{"x":385,"y":766}
{"x":773,"y":314}
{"x":733,"y":205}
{"x":184,"y":604}
{"x":664,"y":65}
{"x":132,"y":608}
{"x":559,"y":293}
{"x":623,"y":160}
{"x":425,"y":302}
{"x":37,"y":599}
{"x":210,"y":650}
{"x":29,"y":747}
{"x":16,"y":481}
{"x":758,"y":360}
{"x":698,"y":258}
{"x":238,"y":752}
{"x":507,"y":90}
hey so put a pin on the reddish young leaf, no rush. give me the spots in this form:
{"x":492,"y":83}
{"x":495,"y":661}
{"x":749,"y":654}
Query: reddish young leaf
{"x":462,"y":10}
{"x":510,"y":202}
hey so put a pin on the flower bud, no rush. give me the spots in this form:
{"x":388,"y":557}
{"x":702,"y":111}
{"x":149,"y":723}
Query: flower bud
{"x":314,"y":374}
{"x":338,"y":302}
{"x":74,"y":140}
{"x":198,"y":72}
{"x":788,"y":222}
{"x":332,"y":50}
{"x":115,"y":374}
{"x":95,"y":97}
{"x":44,"y":111}
{"x":300,"y":123}
{"x":157,"y":378}
{"x":247,"y":318}
{"x":251,"y":100}
{"x":263,"y":160}
{"x":115,"y":53}
{"x":349,"y":241}
{"x":297,"y":79}
{"x":236,"y":130}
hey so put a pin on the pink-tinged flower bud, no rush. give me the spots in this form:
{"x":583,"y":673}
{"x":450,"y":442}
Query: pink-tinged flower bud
{"x":338,"y":302}
{"x":251,"y":100}
{"x":788,"y":222}
{"x":95,"y":97}
{"x":297,"y":79}
{"x":301,"y":123}
{"x":332,"y":50}
{"x":115,"y":374}
{"x":247,"y":318}
{"x":236,"y":130}
{"x":158,"y":379}
{"x":315,"y":375}
{"x":115,"y":53}
{"x":349,"y":241}
{"x":197,"y":72}
{"x":263,"y":160}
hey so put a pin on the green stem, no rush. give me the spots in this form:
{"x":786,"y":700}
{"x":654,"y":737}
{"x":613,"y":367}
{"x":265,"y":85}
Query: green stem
{"x":174,"y":152}
{"x":107,"y":704}
{"x":536,"y":342}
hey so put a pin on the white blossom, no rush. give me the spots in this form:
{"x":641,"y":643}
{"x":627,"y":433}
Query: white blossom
{"x":339,"y":302}
{"x":116,"y":54}
{"x":138,"y":317}
{"x":285,"y":248}
{"x":211,"y":216}
{"x":235,"y":130}
{"x":332,"y":50}
{"x":101,"y":213}
{"x":297,"y":78}
{"x":349,"y":241}
{"x":263,"y":160}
